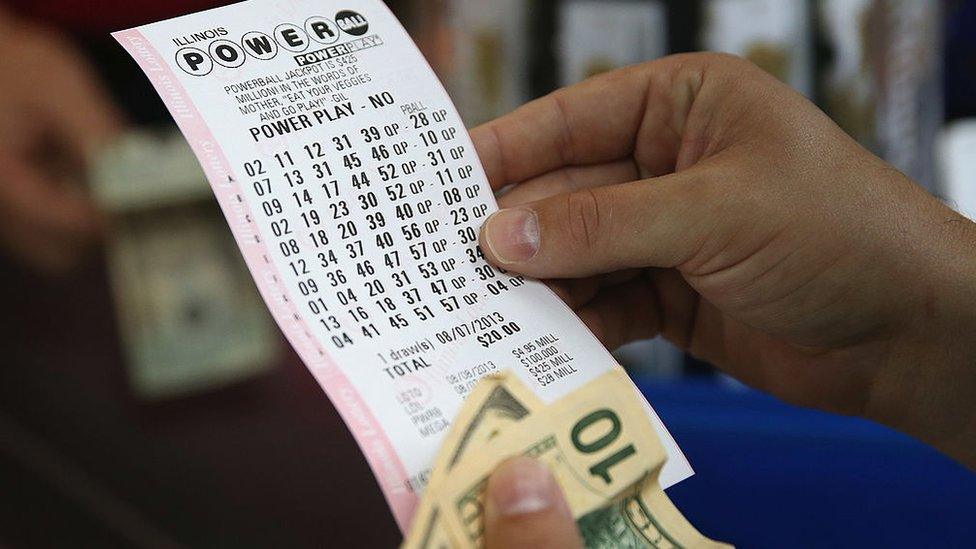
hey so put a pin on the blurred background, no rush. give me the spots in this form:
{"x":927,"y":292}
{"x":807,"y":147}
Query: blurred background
{"x":147,"y":400}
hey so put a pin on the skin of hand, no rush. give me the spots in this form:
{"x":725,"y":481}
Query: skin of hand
{"x":699,"y":198}
{"x":525,"y":508}
{"x":53,"y":116}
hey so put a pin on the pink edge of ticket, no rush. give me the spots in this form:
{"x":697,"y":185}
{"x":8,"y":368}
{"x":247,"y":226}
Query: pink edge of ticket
{"x":355,"y":195}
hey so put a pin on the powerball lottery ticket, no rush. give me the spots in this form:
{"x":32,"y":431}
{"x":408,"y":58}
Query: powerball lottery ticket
{"x":356,"y":196}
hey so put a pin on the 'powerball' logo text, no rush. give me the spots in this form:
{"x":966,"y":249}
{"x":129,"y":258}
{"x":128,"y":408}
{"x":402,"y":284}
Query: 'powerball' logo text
{"x":197,"y":61}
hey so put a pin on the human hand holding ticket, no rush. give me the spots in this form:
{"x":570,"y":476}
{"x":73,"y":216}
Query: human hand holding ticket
{"x":699,"y":198}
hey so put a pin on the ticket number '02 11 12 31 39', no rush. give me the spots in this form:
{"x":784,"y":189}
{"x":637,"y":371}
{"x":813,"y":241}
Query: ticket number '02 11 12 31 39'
{"x":355,"y":195}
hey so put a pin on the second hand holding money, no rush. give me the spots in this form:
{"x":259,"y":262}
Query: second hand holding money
{"x":595,"y":481}
{"x":524,"y":507}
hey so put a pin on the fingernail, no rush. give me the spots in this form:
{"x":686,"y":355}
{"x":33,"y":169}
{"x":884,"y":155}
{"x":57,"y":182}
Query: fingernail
{"x":523,"y":486}
{"x":513,"y":235}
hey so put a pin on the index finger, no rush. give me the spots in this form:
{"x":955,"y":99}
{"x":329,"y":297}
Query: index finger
{"x":592,"y":122}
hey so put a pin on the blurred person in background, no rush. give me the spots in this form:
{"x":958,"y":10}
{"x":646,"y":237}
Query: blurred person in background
{"x":55,"y":113}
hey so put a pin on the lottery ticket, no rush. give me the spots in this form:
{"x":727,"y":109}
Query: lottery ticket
{"x":355,"y":195}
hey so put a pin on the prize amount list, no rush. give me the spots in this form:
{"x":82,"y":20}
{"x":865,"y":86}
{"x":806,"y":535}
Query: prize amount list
{"x":376,"y":225}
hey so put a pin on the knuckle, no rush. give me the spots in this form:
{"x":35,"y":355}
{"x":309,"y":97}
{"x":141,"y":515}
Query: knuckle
{"x":727,"y":62}
{"x":721,"y":67}
{"x":586,"y":216}
{"x":565,"y":145}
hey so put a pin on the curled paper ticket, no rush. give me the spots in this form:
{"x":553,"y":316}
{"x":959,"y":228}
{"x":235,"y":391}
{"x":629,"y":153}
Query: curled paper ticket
{"x":356,"y":197}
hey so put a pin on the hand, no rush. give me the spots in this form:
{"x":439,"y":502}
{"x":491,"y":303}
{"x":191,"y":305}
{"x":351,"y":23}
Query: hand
{"x":699,"y":198}
{"x":524,"y":508}
{"x":53,"y":115}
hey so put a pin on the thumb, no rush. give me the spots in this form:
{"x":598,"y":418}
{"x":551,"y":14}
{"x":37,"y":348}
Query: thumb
{"x":524,"y":507}
{"x":658,"y":222}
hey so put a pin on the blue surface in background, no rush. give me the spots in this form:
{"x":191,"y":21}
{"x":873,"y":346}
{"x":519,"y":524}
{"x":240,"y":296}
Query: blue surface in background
{"x":772,"y":475}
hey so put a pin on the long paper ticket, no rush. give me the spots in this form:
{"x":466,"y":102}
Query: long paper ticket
{"x":356,"y":196}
